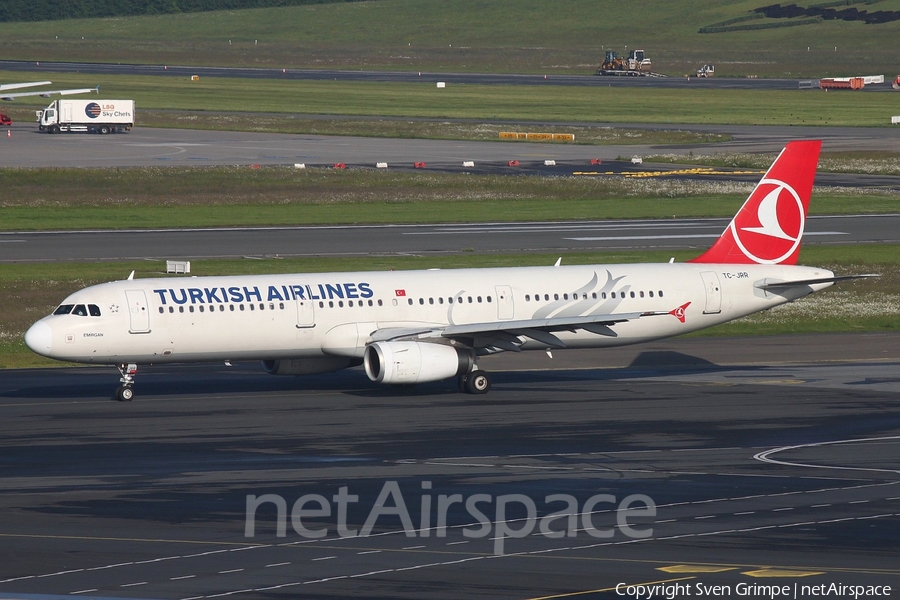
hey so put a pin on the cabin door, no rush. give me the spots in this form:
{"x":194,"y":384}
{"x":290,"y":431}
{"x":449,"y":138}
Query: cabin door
{"x":138,"y":311}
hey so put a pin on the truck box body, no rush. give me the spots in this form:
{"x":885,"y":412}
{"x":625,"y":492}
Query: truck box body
{"x":95,"y":116}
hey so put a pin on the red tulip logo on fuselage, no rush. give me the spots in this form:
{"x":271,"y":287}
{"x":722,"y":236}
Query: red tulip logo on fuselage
{"x":92,"y":110}
{"x":769,"y":228}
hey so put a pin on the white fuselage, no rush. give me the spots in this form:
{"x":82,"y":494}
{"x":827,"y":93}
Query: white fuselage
{"x":182,"y":319}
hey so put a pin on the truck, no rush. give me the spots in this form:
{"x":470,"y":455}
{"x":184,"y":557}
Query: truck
{"x":90,"y":116}
{"x":636,"y":65}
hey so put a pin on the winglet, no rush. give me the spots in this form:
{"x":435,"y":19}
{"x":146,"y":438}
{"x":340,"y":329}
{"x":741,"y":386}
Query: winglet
{"x":769,"y":226}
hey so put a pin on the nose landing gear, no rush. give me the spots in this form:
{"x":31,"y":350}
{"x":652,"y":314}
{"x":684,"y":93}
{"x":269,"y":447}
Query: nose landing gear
{"x":124,"y":393}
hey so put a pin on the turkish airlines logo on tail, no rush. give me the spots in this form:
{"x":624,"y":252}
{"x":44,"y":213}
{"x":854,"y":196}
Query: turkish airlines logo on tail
{"x":769,"y":228}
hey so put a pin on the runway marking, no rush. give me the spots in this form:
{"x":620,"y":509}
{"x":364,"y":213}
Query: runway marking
{"x":182,"y":577}
{"x":766,"y":456}
{"x":625,"y":238}
{"x":133,"y":584}
{"x":277,"y":565}
{"x":323,"y":558}
{"x":781,"y":573}
{"x":230,"y":571}
{"x":609,"y":589}
{"x":695,"y":569}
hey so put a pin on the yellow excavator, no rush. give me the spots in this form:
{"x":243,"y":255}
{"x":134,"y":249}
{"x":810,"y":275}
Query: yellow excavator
{"x":636,"y":65}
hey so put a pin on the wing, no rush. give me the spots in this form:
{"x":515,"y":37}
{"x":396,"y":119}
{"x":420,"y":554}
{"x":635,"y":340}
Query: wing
{"x":18,"y":86}
{"x":48,"y":93}
{"x":494,"y":336}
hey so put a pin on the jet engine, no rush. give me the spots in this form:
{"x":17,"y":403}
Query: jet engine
{"x":308,"y":366}
{"x":415,"y":362}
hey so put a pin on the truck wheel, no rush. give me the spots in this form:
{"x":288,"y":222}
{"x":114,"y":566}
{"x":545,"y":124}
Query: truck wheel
{"x":54,"y":129}
{"x":104,"y":130}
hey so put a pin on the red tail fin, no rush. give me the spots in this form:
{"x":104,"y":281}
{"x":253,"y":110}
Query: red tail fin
{"x":769,"y":226}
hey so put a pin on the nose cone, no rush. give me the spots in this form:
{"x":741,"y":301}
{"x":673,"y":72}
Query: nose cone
{"x":39,"y":338}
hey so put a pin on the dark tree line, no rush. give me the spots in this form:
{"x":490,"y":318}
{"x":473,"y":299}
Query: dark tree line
{"x":777,"y":11}
{"x":52,"y":10}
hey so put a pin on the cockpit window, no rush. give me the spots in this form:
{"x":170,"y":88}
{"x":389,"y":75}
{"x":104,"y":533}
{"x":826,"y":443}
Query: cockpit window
{"x":64,"y":309}
{"x":94,"y":310}
{"x":79,"y":310}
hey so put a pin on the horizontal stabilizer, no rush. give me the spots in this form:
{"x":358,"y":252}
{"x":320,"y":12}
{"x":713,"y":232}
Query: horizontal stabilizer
{"x":768,"y":284}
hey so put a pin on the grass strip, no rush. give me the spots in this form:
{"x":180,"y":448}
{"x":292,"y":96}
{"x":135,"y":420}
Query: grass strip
{"x":657,"y":105}
{"x":155,"y":197}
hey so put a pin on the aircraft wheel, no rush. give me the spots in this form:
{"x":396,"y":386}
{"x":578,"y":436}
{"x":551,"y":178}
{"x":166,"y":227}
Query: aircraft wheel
{"x":124,"y":393}
{"x":478,"y":382}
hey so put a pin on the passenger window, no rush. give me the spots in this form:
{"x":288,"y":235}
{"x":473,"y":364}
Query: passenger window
{"x":191,"y":309}
{"x":603,"y":295}
{"x":340,"y":304}
{"x":612,"y":294}
{"x":181,"y":309}
{"x":431,"y":301}
{"x":231,"y":307}
{"x":94,"y":310}
{"x":651,"y":293}
{"x":410,"y":301}
{"x":161,"y":310}
{"x":171,"y":309}
{"x":470,"y":299}
{"x":527,"y":297}
{"x":380,"y":302}
{"x":201,"y":308}
{"x":546,"y":296}
{"x":632,"y":294}
{"x":64,"y":309}
{"x":565,"y":296}
{"x":488,"y":298}
{"x":450,"y":300}
{"x":441,"y":300}
{"x":660,"y":294}
{"x":556,"y":296}
{"x":370,"y":303}
{"x":479,"y":299}
{"x":421,"y":301}
{"x":642,"y":294}
{"x":242,"y":307}
{"x":321,"y":305}
{"x":280,"y":306}
{"x":594,"y":296}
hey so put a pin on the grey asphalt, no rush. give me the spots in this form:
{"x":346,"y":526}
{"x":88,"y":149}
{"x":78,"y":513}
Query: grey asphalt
{"x":415,"y":76}
{"x":396,"y":240}
{"x":770,"y":460}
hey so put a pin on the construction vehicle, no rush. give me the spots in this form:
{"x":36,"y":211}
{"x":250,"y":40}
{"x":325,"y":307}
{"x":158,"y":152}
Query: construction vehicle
{"x":706,"y":71}
{"x":636,"y":65}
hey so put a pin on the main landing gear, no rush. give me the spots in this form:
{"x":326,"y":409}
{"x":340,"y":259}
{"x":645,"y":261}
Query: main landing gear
{"x":124,"y":393}
{"x":475,"y":382}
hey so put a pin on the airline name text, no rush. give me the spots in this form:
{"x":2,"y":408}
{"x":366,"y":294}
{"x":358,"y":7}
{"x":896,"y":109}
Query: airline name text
{"x":236,"y":294}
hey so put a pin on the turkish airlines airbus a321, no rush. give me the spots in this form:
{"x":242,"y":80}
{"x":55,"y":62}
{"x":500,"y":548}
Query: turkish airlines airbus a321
{"x":409,"y":327}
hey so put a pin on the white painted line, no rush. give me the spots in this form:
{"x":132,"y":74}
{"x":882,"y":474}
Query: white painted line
{"x":230,"y":571}
{"x":369,"y":552}
{"x":277,"y":565}
{"x":412,"y":547}
{"x":83,"y":591}
{"x":782,"y":509}
{"x":133,"y":584}
{"x":819,"y":505}
{"x":324,"y":558}
{"x":456,"y":543}
{"x":182,"y":577}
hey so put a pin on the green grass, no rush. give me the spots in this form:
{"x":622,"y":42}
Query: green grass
{"x":153,"y":197}
{"x":30,"y":291}
{"x":490,"y":102}
{"x":468,"y":35}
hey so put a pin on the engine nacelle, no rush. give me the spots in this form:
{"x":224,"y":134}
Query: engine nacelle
{"x":308,"y":366}
{"x":414,"y":362}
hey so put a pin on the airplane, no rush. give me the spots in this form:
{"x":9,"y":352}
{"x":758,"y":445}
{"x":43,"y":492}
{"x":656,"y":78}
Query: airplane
{"x":45,"y":93}
{"x":408,"y":327}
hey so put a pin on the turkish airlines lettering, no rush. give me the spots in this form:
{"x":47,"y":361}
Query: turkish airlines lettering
{"x":408,"y":327}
